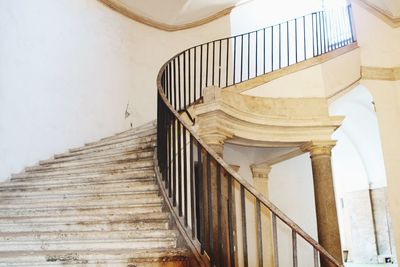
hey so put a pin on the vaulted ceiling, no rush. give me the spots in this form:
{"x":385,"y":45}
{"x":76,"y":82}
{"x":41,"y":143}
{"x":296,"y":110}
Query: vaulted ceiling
{"x":174,"y":12}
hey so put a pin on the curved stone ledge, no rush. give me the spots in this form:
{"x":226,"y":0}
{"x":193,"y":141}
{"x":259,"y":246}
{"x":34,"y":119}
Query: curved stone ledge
{"x":263,"y":122}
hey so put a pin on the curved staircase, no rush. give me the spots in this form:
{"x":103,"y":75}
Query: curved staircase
{"x":98,"y":205}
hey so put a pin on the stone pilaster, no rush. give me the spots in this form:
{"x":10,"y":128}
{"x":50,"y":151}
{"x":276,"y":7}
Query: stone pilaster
{"x":260,"y":178}
{"x":325,"y":203}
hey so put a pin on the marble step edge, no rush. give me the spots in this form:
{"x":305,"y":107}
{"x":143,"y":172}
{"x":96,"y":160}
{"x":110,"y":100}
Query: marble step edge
{"x":49,"y":185}
{"x":116,"y":256}
{"x":87,"y":162}
{"x":83,"y":171}
{"x":81,"y":176}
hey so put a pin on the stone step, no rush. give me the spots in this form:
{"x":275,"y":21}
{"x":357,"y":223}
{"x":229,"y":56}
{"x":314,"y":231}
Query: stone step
{"x":60,"y":185}
{"x":138,"y":187}
{"x":107,"y":169}
{"x":46,"y":183}
{"x":144,"y":143}
{"x":138,"y":140}
{"x":34,"y":241}
{"x":127,"y":133}
{"x":172,"y":257}
{"x":86,"y":176}
{"x":58,"y":236}
{"x":101,"y":154}
{"x":128,"y":209}
{"x":106,"y":201}
{"x":88,"y":162}
{"x":105,"y":225}
{"x":118,"y":139}
{"x":84,"y":218}
{"x":143,"y":127}
{"x":99,"y":244}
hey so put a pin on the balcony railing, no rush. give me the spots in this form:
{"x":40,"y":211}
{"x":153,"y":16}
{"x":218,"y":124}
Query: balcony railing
{"x":227,"y":220}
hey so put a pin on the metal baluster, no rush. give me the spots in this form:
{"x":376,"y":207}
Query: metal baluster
{"x":179,"y":83}
{"x":287,"y":43}
{"x":248,"y":56}
{"x":227,"y":61}
{"x":244,"y":225}
{"x":174,"y":164}
{"x":230,"y":223}
{"x":219,"y":64}
{"x":207,"y":55}
{"x":185,"y":176}
{"x":213,"y":64}
{"x":304,"y":36}
{"x":189,"y":76}
{"x":194,"y":73}
{"x":192,"y":189}
{"x":210,"y":211}
{"x":201,"y":71}
{"x":294,"y":248}
{"x":199,"y":196}
{"x":219,"y":212}
{"x":312,"y":27}
{"x":241,"y":59}
{"x":184,"y":80}
{"x":316,"y":258}
{"x":234,"y":60}
{"x":264,"y":53}
{"x":295,"y":40}
{"x":259,"y":234}
{"x":280,"y":46}
{"x":179,"y":136}
{"x":256,"y":54}
{"x":275,"y":240}
{"x":272,"y":48}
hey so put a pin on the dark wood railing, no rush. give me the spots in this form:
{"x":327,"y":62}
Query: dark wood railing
{"x":228,"y":221}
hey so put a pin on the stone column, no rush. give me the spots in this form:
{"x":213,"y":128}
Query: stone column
{"x":325,"y":203}
{"x":260,"y":180}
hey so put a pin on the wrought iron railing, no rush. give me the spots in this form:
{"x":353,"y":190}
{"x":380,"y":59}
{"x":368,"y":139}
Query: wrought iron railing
{"x":207,"y":194}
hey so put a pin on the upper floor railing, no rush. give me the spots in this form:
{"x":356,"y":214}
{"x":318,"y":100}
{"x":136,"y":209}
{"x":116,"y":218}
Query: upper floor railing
{"x":228,"y":221}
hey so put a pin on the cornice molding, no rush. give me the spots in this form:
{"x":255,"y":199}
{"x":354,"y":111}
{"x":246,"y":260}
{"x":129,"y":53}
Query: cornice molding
{"x":120,"y":8}
{"x":385,"y":16}
{"x":378,"y":73}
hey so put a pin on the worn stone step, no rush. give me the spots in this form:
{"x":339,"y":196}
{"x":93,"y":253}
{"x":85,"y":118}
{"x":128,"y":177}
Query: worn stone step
{"x":50,"y":184}
{"x":108,"y":169}
{"x":88,"y":202}
{"x":109,"y":185}
{"x":143,"y":127}
{"x":77,"y":201}
{"x":101,"y":244}
{"x":130,"y":208}
{"x":172,"y":257}
{"x":111,"y":159}
{"x":139,"y":140}
{"x":144,"y":186}
{"x":144,"y":143}
{"x":82,"y":176}
{"x":92,"y":235}
{"x":105,"y":225}
{"x":117,"y":162}
{"x":100,"y":154}
{"x":119,"y":139}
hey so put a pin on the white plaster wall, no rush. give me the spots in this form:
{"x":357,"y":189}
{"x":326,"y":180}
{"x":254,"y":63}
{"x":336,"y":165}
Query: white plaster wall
{"x":291,"y":189}
{"x":378,"y":41}
{"x":68,"y":69}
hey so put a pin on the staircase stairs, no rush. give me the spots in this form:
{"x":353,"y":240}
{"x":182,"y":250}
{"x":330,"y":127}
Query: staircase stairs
{"x":97,"y":205}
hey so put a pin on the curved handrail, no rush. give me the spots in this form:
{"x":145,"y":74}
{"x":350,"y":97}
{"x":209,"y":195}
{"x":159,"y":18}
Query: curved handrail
{"x":192,"y":189}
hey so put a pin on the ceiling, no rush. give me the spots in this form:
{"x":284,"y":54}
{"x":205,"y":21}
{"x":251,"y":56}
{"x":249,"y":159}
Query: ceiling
{"x":175,"y":12}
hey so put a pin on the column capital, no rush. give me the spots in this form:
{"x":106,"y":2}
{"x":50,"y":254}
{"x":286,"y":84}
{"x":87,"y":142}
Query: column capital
{"x":215,"y":140}
{"x":260,"y":171}
{"x":319,"y":148}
